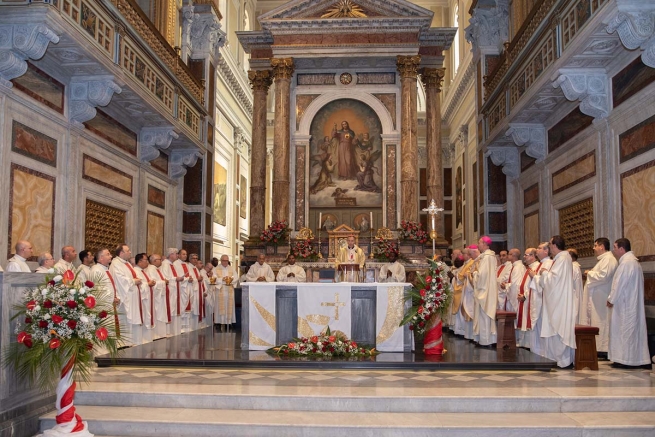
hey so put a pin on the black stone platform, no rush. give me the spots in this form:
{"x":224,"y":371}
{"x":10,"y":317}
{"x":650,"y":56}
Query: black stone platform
{"x":211,"y":348}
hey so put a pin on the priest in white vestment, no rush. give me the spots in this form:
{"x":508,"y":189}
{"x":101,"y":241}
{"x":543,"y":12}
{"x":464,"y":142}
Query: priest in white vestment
{"x":596,"y":290}
{"x":258,"y":272}
{"x":65,"y":263}
{"x":175,"y":277}
{"x":147,"y":297}
{"x":198,"y":295}
{"x":628,"y":342}
{"x":456,"y":284}
{"x":84,"y":271}
{"x":291,"y":272}
{"x":102,"y":277}
{"x":18,"y":263}
{"x":524,"y":298}
{"x":350,"y":254}
{"x":46,"y":264}
{"x":502,"y":275}
{"x":129,"y":291}
{"x":393,"y":271}
{"x":186,"y":289}
{"x":539,"y":344}
{"x":223,"y":299}
{"x":511,"y":287}
{"x":486,"y":295}
{"x":577,"y":283}
{"x":467,"y":309}
{"x":558,"y":306}
{"x":163,"y":309}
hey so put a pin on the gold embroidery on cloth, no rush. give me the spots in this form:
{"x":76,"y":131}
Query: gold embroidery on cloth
{"x":266,"y":315}
{"x":256,"y":341}
{"x":395,"y":310}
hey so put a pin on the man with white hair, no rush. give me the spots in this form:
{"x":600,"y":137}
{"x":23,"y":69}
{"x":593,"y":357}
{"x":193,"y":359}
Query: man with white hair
{"x":100,"y":272}
{"x":486,"y":294}
{"x":175,"y":277}
{"x":65,"y":263}
{"x":197,"y":294}
{"x":46,"y":263}
{"x":186,"y":288}
{"x":23,"y":253}
{"x":147,"y":297}
{"x":223,"y":299}
{"x":511,"y":286}
{"x":524,"y":298}
{"x":128,"y":287}
{"x":163,"y":308}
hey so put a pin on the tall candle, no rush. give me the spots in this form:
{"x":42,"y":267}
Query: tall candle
{"x":320,"y":219}
{"x":371,"y":219}
{"x":433,"y":228}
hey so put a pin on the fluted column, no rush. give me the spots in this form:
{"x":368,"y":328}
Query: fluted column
{"x":407,"y":67}
{"x":432,"y":79}
{"x":260,"y":81}
{"x":282,"y":72}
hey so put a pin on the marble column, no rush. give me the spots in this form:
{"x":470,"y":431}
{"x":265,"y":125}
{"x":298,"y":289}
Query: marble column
{"x":407,"y":67}
{"x":432,"y":79}
{"x":260,"y":81}
{"x":282,"y":72}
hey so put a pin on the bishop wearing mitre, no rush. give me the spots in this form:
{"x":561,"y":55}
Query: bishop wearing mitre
{"x":351,"y":254}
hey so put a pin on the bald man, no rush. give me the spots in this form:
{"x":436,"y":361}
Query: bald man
{"x":18,"y":263}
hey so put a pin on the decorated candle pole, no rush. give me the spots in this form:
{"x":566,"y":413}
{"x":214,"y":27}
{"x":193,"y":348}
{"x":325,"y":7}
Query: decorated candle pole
{"x":320,"y":225}
{"x":370,"y":240}
{"x":433,"y":210}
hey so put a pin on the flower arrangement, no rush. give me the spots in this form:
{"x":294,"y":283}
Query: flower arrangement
{"x":431,"y":295}
{"x":61,"y":323}
{"x":275,"y":233}
{"x":304,"y":250}
{"x":410,"y":230}
{"x":325,"y":345}
{"x":384,"y":249}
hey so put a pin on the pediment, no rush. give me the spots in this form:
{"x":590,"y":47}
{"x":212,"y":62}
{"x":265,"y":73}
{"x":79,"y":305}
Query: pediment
{"x":344,"y":229}
{"x":345,"y":9}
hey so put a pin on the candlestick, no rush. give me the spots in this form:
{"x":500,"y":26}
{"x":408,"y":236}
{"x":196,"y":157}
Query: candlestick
{"x":320,"y":220}
{"x":371,"y":219}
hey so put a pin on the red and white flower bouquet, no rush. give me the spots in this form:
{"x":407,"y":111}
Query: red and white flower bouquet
{"x":325,"y":345}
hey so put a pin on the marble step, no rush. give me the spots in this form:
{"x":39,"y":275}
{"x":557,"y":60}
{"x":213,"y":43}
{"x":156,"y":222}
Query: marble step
{"x":371,"y":399}
{"x":173,"y":422}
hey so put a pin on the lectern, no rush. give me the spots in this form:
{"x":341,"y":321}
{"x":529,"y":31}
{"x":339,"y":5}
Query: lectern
{"x":349,"y":272}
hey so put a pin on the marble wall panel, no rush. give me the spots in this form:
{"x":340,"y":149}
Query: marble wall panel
{"x":649,"y":288}
{"x":480,"y":178}
{"x":161,"y":163}
{"x":41,"y":87}
{"x":104,"y":174}
{"x":448,"y":227}
{"x":302,"y":103}
{"x":155,"y":233}
{"x":498,"y":222}
{"x":191,"y":222}
{"x":111,"y":130}
{"x":315,"y":78}
{"x":497,"y":183}
{"x":243,"y":197}
{"x":448,"y":205}
{"x":572,"y":124}
{"x":422,"y":181}
{"x":448,"y":182}
{"x":531,"y":195}
{"x":576,"y":226}
{"x":527,"y":161}
{"x":346,"y":39}
{"x":209,"y":176}
{"x":192,"y":246}
{"x":629,"y":81}
{"x":376,"y":78}
{"x":193,"y":184}
{"x":156,"y":197}
{"x":531,"y":230}
{"x":579,"y":170}
{"x":31,"y":209}
{"x":638,"y":204}
{"x":34,"y":144}
{"x":637,"y":140}
{"x":389,"y":102}
{"x":391,"y":187}
{"x":208,"y":225}
{"x":104,"y":226}
{"x":474,"y":171}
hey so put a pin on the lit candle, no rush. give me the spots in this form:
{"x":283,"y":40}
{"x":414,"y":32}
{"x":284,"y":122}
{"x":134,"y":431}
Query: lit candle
{"x":320,"y":219}
{"x":371,"y":219}
{"x":433,"y":227}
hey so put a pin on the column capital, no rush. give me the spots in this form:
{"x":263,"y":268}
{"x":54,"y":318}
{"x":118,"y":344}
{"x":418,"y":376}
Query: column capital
{"x":531,"y":135}
{"x":433,"y":77}
{"x":283,"y":68}
{"x":154,"y":139}
{"x":260,"y":80}
{"x":587,"y":85}
{"x":634,"y":23}
{"x":408,"y":65}
{"x":20,"y":42}
{"x":86,"y":94}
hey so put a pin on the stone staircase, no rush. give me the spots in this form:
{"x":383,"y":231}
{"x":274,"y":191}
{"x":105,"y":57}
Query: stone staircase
{"x":162,"y":410}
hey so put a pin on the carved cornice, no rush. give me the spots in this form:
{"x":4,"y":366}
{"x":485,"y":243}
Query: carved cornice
{"x":408,"y":65}
{"x":20,"y":42}
{"x":589,"y":86}
{"x":283,"y":68}
{"x":433,"y":77}
{"x":508,"y":158}
{"x":242,"y":95}
{"x":260,"y":80}
{"x":181,"y":160}
{"x":531,"y":135}
{"x":455,"y":96}
{"x":635,"y":25}
{"x":154,"y":139}
{"x":308,"y":8}
{"x":87,"y":94}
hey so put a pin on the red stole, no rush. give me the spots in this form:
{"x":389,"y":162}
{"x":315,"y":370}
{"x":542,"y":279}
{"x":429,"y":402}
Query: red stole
{"x":168,"y":296}
{"x":201,"y":292}
{"x":500,"y":270}
{"x":134,"y":276}
{"x":186,"y":275}
{"x":178,"y":289}
{"x":519,"y":321}
{"x":118,"y":328}
{"x":152,"y":300}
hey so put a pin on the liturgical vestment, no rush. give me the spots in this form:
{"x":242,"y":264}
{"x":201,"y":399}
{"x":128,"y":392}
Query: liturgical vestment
{"x":486,"y":298}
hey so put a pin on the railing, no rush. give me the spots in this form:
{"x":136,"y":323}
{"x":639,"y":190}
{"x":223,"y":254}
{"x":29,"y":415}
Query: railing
{"x":213,"y":3}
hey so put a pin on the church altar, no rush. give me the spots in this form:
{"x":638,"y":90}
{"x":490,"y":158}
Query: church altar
{"x":370,"y":314}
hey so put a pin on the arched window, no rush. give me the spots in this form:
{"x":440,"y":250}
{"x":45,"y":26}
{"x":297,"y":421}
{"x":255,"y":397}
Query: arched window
{"x":456,"y":40}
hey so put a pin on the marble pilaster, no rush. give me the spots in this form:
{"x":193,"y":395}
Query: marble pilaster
{"x":408,"y":68}
{"x":260,"y":82}
{"x":432,"y":80}
{"x":282,"y":72}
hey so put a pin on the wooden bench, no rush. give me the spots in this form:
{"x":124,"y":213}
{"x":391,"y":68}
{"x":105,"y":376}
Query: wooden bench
{"x":506,"y":337}
{"x":585,"y":342}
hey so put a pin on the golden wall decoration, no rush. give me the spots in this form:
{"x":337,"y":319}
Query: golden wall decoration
{"x":104,"y":226}
{"x":576,"y":226}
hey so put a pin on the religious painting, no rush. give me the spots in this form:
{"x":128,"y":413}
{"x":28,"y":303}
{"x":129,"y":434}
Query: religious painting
{"x":362,"y":222}
{"x":458,"y":197}
{"x":329,"y":222}
{"x":345,"y":168}
{"x":220,"y":194}
{"x":243,"y":198}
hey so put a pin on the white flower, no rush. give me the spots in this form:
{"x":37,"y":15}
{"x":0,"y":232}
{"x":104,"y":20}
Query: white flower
{"x":44,"y":292}
{"x":46,"y":316}
{"x":83,"y":290}
{"x":84,"y":319}
{"x":72,"y":291}
{"x":37,"y":308}
{"x":57,"y":278}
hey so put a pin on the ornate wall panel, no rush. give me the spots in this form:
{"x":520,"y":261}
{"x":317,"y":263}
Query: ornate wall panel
{"x":637,"y":140}
{"x":191,"y":222}
{"x":572,"y":124}
{"x":531,"y":195}
{"x":498,"y":222}
{"x":638,"y":204}
{"x":155,"y":234}
{"x":161,"y":163}
{"x":31,"y":209}
{"x":389,"y":102}
{"x":579,"y":170}
{"x":156,"y":197}
{"x":531,"y":230}
{"x":316,"y":79}
{"x":192,"y":247}
{"x":391,"y":187}
{"x":104,"y":226}
{"x":301,"y":158}
{"x":376,"y":78}
{"x":527,"y":161}
{"x":111,"y":130}
{"x":193,"y":179}
{"x":302,"y":102}
{"x":497,"y":183}
{"x":576,"y":225}
{"x":629,"y":81}
{"x":107,"y":176}
{"x":41,"y":87}
{"x":33,"y":144}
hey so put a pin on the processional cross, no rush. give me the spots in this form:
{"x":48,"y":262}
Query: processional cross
{"x":336,"y":304}
{"x":433,"y":210}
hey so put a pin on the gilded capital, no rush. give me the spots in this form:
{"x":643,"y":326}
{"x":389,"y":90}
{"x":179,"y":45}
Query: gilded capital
{"x":260,"y":80}
{"x":408,"y":65}
{"x":433,"y":77}
{"x":282,"y":68}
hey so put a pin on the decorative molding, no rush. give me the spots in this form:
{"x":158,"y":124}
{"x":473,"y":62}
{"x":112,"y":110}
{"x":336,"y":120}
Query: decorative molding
{"x":20,"y":42}
{"x":448,"y":155}
{"x":433,"y":77}
{"x":283,"y":68}
{"x":454,"y":97}
{"x":463,"y":135}
{"x":154,"y":139}
{"x":635,"y":26}
{"x":408,"y":65}
{"x":589,"y":86}
{"x":489,"y":27}
{"x":260,"y":80}
{"x":86,"y":94}
{"x":531,"y":135}
{"x":181,"y":160}
{"x":508,"y":157}
{"x":242,"y":94}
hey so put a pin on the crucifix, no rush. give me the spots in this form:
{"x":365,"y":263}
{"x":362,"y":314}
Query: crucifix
{"x":433,"y":210}
{"x":336,"y":304}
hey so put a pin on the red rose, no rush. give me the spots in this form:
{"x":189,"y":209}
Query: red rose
{"x":51,"y":282}
{"x":314,"y":350}
{"x":314,"y":339}
{"x":72,"y":324}
{"x":47,"y":304}
{"x":411,"y":327}
{"x":420,"y":310}
{"x":332,"y":338}
{"x":422,"y":292}
{"x":22,"y":336}
{"x":353,"y":344}
{"x":28,"y":342}
{"x":439,"y":287}
{"x":101,"y":333}
{"x":31,"y":304}
{"x":291,"y":345}
{"x":331,"y":349}
{"x":43,"y":324}
{"x":71,"y":304}
{"x":89,"y":346}
{"x":102,"y":314}
{"x":55,"y":343}
{"x":90,"y":302}
{"x":57,"y":319}
{"x":428,"y":279}
{"x":89,"y":284}
{"x":421,"y":324}
{"x":28,"y":320}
